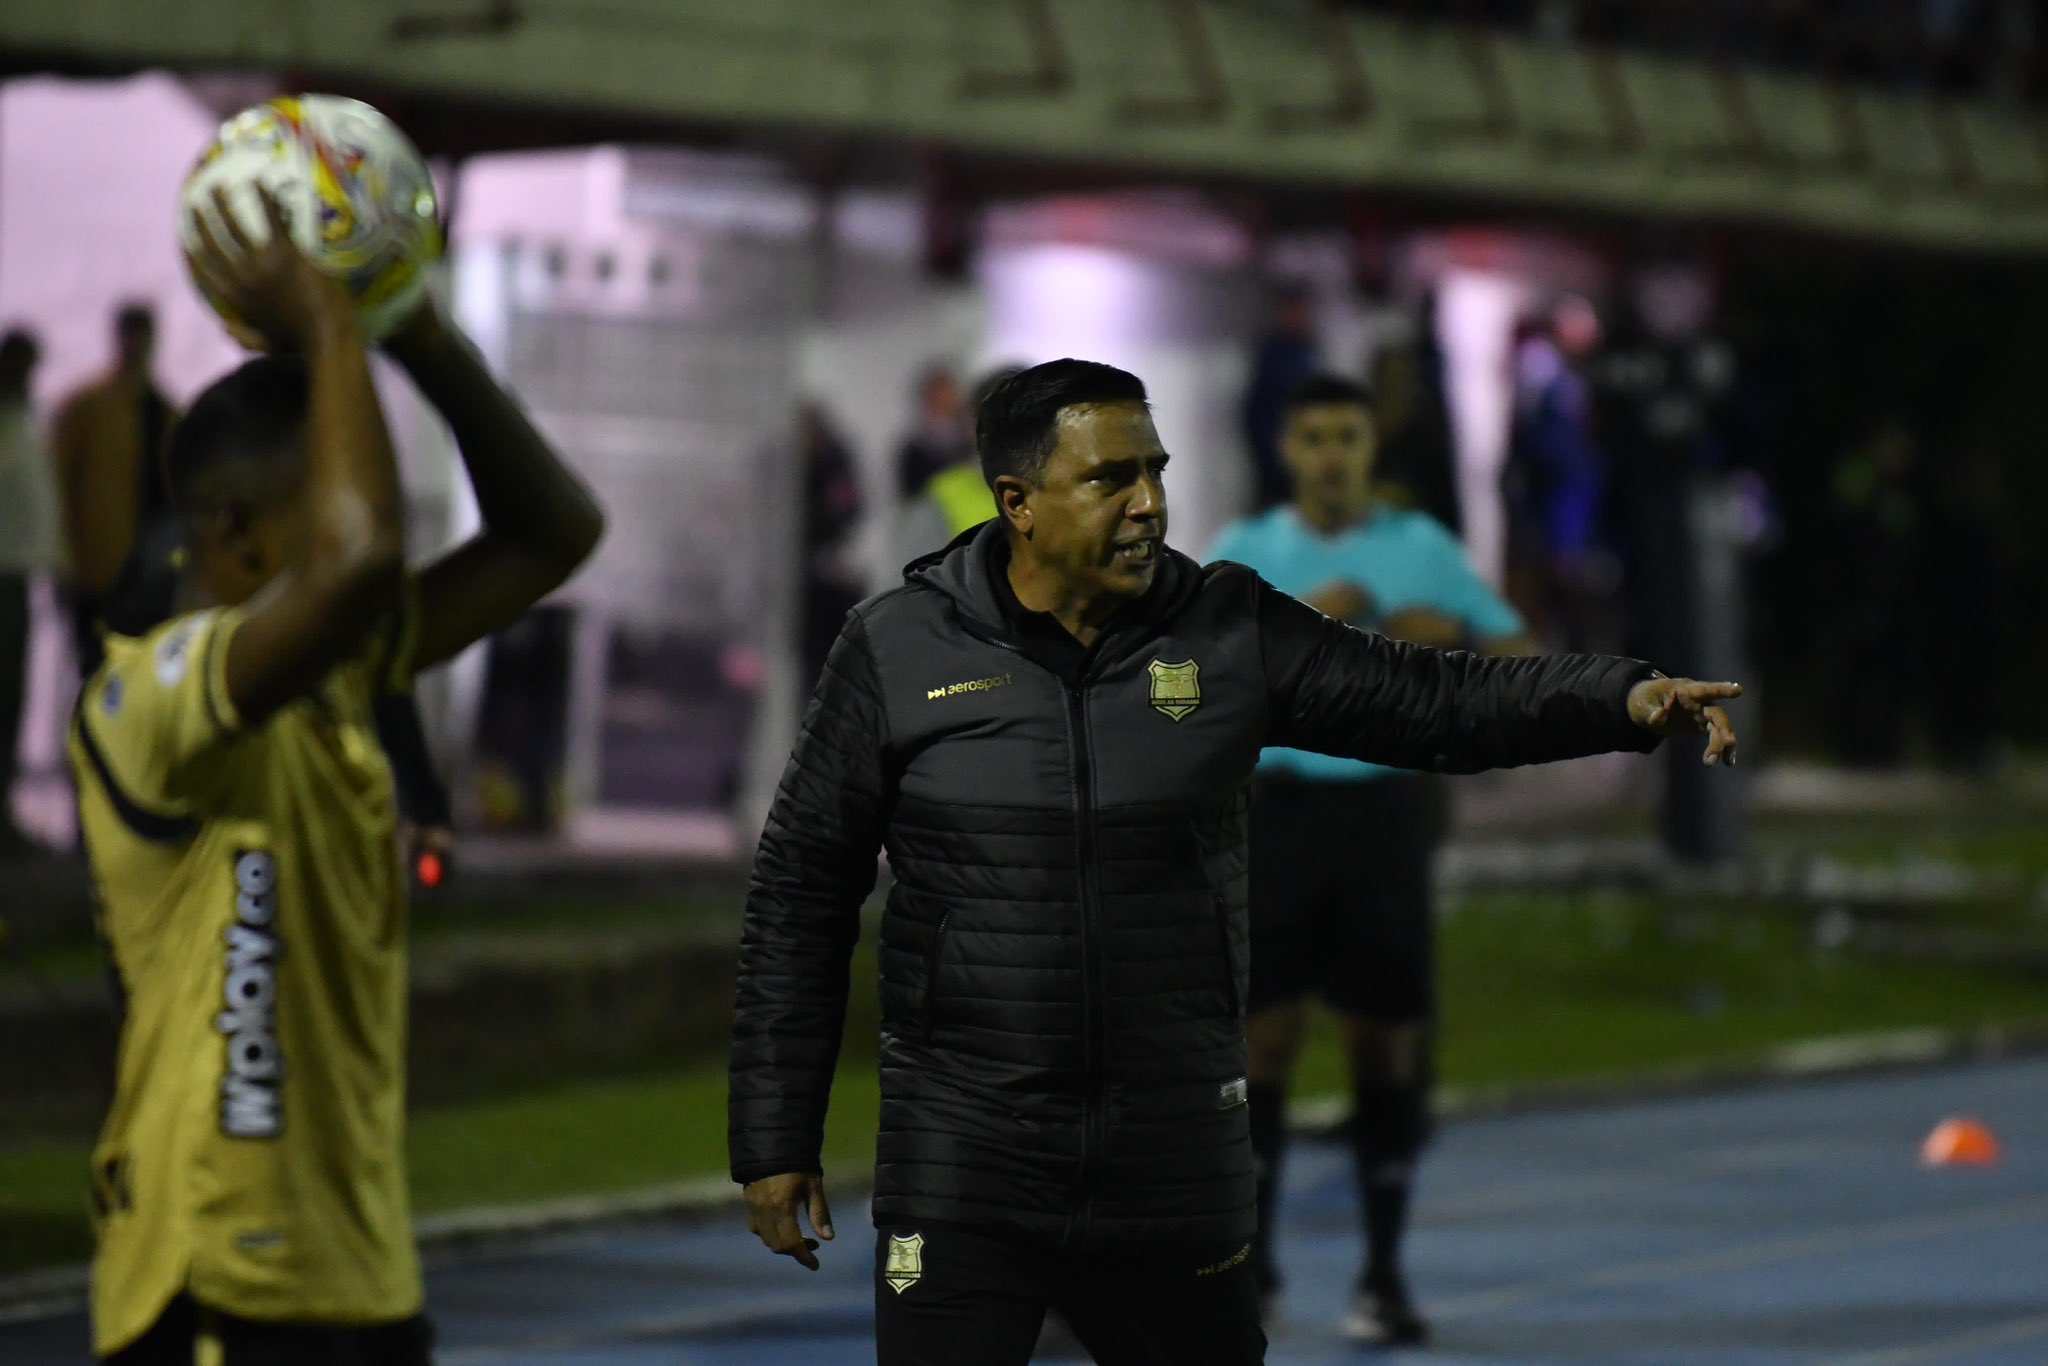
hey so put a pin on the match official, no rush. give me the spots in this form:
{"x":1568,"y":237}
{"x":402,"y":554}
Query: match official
{"x":1342,"y":851}
{"x":1050,"y":727}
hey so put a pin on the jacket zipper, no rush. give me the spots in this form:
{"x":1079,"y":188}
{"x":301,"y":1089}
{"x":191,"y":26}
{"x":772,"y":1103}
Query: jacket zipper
{"x":1094,"y":1120}
{"x":1092,"y":985}
{"x":931,"y":974}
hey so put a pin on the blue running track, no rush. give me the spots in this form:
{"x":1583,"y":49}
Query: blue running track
{"x":1779,"y":1225}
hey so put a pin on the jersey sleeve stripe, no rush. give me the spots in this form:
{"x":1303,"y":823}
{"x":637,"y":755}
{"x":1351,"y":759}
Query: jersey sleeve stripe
{"x":150,"y":825}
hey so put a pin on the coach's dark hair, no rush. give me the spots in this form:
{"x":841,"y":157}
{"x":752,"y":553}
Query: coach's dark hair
{"x":251,"y":417}
{"x":1014,"y":427}
{"x":1327,"y":388}
{"x":984,"y":385}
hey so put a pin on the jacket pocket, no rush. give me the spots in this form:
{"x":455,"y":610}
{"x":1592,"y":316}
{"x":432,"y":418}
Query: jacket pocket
{"x":933,"y":954}
{"x":1231,"y":993}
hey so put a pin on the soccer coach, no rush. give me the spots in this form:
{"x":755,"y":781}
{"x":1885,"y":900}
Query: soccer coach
{"x":1050,"y":727}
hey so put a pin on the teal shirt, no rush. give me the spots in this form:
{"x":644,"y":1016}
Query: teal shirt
{"x":1404,"y":559}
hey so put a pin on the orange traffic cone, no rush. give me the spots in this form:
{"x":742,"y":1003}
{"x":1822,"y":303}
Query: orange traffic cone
{"x":1959,"y":1142}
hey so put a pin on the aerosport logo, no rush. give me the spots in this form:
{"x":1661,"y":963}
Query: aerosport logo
{"x":971,"y":685}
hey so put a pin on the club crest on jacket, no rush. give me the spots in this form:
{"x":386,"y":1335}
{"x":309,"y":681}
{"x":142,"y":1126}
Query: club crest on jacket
{"x":905,"y":1264}
{"x":1176,"y":688}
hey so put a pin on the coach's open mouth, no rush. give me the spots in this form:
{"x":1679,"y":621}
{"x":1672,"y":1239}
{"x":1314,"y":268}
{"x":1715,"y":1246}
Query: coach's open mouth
{"x":1141,"y":551}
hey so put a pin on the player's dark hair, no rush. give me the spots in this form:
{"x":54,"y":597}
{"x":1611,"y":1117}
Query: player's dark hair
{"x":135,"y":316}
{"x":1324,"y":388}
{"x":252,"y":416}
{"x":1015,"y":423}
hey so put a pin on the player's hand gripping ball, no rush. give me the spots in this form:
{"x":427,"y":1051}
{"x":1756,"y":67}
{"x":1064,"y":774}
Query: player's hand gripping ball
{"x":355,"y":190}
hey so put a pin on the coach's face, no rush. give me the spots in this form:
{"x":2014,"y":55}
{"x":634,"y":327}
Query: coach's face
{"x":1096,"y":516}
{"x":1330,"y":449}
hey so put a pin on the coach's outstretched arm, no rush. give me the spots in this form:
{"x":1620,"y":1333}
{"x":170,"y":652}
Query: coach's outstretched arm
{"x":347,"y":564}
{"x":814,"y":869}
{"x":1339,"y":690}
{"x":539,"y":520}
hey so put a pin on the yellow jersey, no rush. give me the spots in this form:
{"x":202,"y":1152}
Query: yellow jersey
{"x":252,"y":897}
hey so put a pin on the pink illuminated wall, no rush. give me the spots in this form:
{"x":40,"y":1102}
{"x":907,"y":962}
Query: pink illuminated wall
{"x":89,"y":176}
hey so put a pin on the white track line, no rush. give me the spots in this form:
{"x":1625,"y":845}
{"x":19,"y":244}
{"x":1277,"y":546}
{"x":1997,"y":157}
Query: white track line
{"x":1997,"y":1335}
{"x":1799,"y":1247}
{"x":34,"y":1311}
{"x":683,"y":1322}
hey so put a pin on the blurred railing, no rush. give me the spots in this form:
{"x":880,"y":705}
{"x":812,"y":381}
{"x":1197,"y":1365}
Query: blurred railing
{"x":1739,"y":110}
{"x":1991,"y":49}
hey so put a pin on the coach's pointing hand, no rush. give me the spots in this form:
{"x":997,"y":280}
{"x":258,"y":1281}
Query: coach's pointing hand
{"x":1666,"y":704}
{"x":772,"y":1206}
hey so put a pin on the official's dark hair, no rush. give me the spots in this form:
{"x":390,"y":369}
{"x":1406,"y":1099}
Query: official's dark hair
{"x":1327,"y":388}
{"x":251,"y":416}
{"x":135,"y":316}
{"x":1014,"y":425}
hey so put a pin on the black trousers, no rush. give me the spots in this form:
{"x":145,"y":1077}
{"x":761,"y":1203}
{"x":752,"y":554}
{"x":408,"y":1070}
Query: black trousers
{"x":952,"y":1296}
{"x":1343,"y":901}
{"x":174,"y":1340}
{"x":14,"y":624}
{"x":86,"y":644}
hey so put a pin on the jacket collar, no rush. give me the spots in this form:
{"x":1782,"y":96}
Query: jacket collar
{"x":965,"y":572}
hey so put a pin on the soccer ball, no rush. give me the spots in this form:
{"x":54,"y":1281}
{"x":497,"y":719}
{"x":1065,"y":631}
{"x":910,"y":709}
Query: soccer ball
{"x":356,"y":192}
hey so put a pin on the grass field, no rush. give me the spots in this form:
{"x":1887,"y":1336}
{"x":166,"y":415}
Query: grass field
{"x":1535,"y":989}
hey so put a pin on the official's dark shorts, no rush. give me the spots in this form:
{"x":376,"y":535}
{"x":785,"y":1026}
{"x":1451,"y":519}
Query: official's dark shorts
{"x":1342,"y":902}
{"x":952,"y":1296}
{"x":174,"y":1341}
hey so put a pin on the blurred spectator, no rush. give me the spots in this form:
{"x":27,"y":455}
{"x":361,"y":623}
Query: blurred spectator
{"x":1878,"y":536}
{"x":522,"y":725}
{"x":956,"y":497}
{"x":108,"y":437}
{"x":1556,"y":479}
{"x":1659,"y":387}
{"x":1417,"y":464}
{"x":940,"y":439}
{"x":1285,"y":359}
{"x":1661,"y":392}
{"x":831,"y":583}
{"x":1974,"y":552}
{"x":28,"y":547}
{"x":429,"y":827}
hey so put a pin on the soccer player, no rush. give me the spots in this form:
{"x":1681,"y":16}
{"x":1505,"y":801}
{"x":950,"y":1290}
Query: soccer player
{"x":1050,"y":727}
{"x":249,"y":1184}
{"x":1341,"y":851}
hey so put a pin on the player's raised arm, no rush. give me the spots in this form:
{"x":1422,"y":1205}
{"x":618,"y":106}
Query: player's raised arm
{"x":343,"y":558}
{"x":539,"y":520}
{"x":1337,"y":690}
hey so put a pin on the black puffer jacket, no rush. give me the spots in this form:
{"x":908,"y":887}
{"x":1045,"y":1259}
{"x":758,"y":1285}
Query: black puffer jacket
{"x":1063,"y":956}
